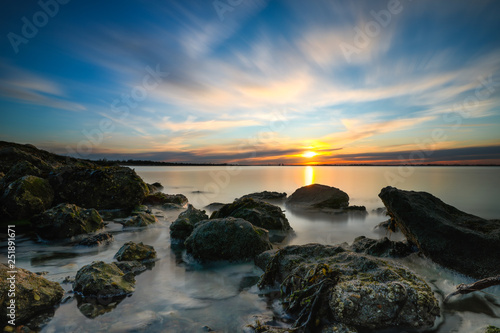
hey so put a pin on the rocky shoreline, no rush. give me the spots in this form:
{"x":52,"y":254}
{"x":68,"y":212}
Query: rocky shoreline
{"x":323,"y":288}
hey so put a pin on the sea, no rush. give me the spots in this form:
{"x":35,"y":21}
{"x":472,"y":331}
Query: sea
{"x":180,"y":295}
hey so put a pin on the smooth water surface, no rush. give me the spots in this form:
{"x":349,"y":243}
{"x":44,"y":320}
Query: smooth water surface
{"x":179,"y":295}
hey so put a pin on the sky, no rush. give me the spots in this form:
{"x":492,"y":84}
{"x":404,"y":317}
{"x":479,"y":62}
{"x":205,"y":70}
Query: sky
{"x":254,"y":81}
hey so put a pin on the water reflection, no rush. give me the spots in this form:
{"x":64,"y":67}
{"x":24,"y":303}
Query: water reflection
{"x":308,"y":175}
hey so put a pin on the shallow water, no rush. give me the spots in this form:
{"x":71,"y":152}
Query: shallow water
{"x":179,"y":295}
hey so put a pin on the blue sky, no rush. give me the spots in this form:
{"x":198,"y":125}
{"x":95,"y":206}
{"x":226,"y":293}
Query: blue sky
{"x":254,"y":81}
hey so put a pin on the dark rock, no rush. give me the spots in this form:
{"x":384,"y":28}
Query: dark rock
{"x":158,"y":199}
{"x":21,"y":169}
{"x":97,"y":240}
{"x":66,"y":220}
{"x":99,"y":187}
{"x":380,"y":211}
{"x":171,"y":206}
{"x":214,"y":206}
{"x":135,"y":267}
{"x":362,"y":291}
{"x":260,"y":214}
{"x":355,"y":209}
{"x":25,"y":197}
{"x":140,"y":220}
{"x":182,"y":227}
{"x":381,"y":247}
{"x":266,"y":195}
{"x":448,"y":236}
{"x":33,"y":295}
{"x":135,"y":251}
{"x":111,"y":214}
{"x":318,"y":196}
{"x":103,"y":280}
{"x":12,"y":154}
{"x":158,"y":185}
{"x":229,"y":238}
{"x":388,"y":225}
{"x":491,"y":329}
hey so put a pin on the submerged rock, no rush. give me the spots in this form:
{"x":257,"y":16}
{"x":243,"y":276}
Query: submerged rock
{"x":351,"y":288}
{"x":317,"y":196}
{"x":97,"y":240}
{"x":33,"y":295}
{"x":141,"y":219}
{"x":227,"y":239}
{"x":448,"y":236}
{"x":381,"y":247}
{"x":66,"y":220}
{"x":159,"y":198}
{"x":182,"y":227}
{"x":25,"y":197}
{"x":99,"y":187}
{"x":265,"y":195}
{"x":135,"y":251}
{"x":100,"y":279}
{"x":260,"y":214}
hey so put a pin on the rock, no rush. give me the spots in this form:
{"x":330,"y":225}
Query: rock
{"x":140,"y":220}
{"x":338,"y":328}
{"x":381,"y":247}
{"x":260,"y":214}
{"x":361,"y":209}
{"x":33,"y":295}
{"x":158,"y":199}
{"x":492,"y":329}
{"x":66,"y":220}
{"x":448,"y":236}
{"x":135,"y":267}
{"x":103,"y":280}
{"x":25,"y":197}
{"x":135,"y":251}
{"x":380,"y":211}
{"x":21,"y":169}
{"x":227,"y":239}
{"x":110,"y":187}
{"x":361,"y":291}
{"x":215,"y":206}
{"x":182,"y":227}
{"x":97,"y":240}
{"x":12,"y":154}
{"x":111,"y":214}
{"x":318,"y":196}
{"x":388,"y":225}
{"x":266,"y":195}
{"x":171,"y":206}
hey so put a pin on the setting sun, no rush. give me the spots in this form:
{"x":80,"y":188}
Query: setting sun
{"x":309,"y":154}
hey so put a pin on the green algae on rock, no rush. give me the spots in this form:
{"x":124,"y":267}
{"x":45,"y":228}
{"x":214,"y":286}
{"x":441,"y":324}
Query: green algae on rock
{"x":131,"y":251}
{"x":100,"y":279}
{"x":185,"y":223}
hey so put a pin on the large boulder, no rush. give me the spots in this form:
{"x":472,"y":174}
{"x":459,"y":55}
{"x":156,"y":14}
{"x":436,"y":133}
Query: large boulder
{"x":448,"y":236}
{"x":229,"y":238}
{"x":99,"y":187}
{"x":21,"y":169}
{"x":260,"y":214}
{"x":26,"y":197}
{"x":131,"y":251}
{"x":185,"y":223}
{"x":321,"y":281}
{"x":317,"y":196}
{"x":33,"y":295}
{"x":160,"y":198}
{"x":66,"y":220}
{"x":100,"y":279}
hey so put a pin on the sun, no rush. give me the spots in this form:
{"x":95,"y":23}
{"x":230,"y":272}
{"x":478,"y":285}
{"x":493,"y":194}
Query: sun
{"x":309,"y":154}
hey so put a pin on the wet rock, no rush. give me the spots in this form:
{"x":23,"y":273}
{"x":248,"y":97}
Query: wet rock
{"x":140,"y":220}
{"x":135,"y":251}
{"x":21,"y":169}
{"x":388,"y":225}
{"x":446,"y":235}
{"x":359,"y":290}
{"x":25,"y":197}
{"x":100,"y":279}
{"x":260,"y":214}
{"x":357,"y":209}
{"x":33,"y":295}
{"x":381,"y":247}
{"x":66,"y":220}
{"x":227,"y":239}
{"x":317,"y":196}
{"x":491,"y":329}
{"x":99,"y":187}
{"x":380,"y":211}
{"x":98,"y":240}
{"x":158,"y":199}
{"x":171,"y":206}
{"x":182,"y":227}
{"x":111,"y":214}
{"x":135,"y":267}
{"x":215,"y":206}
{"x":266,"y":195}
{"x":155,"y":187}
{"x":338,"y":328}
{"x":265,"y":324}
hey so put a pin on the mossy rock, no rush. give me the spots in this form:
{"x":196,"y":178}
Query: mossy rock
{"x":141,"y":219}
{"x":159,"y":198}
{"x":66,"y":220}
{"x":26,"y":197}
{"x":34,"y":294}
{"x":100,"y":279}
{"x":185,"y":223}
{"x":131,"y":251}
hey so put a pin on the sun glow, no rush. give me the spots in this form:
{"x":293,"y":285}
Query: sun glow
{"x":309,"y":154}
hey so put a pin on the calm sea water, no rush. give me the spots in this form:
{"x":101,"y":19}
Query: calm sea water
{"x":178,"y":295}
